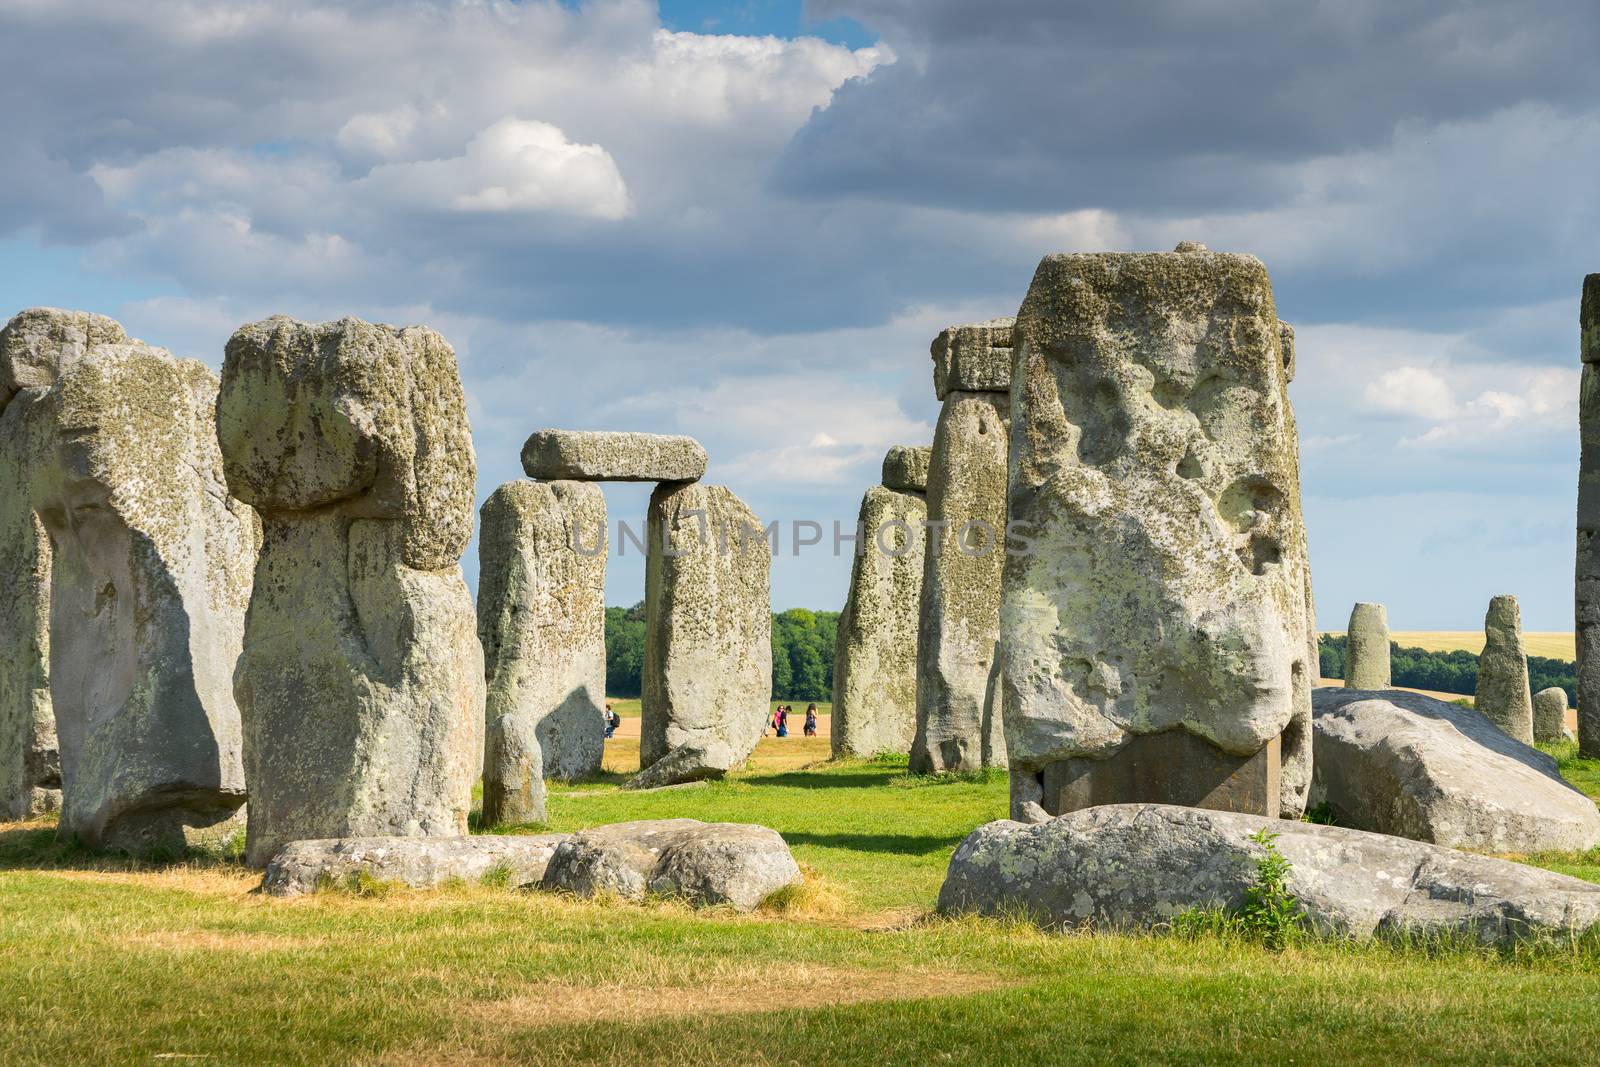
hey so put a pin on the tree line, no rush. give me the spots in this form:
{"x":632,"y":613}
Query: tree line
{"x":802,"y":653}
{"x":1448,"y":672}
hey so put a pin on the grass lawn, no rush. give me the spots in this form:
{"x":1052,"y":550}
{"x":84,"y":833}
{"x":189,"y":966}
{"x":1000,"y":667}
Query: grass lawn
{"x":113,"y":961}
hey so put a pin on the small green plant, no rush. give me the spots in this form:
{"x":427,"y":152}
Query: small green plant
{"x":357,"y":883}
{"x":1270,"y":911}
{"x":1322,"y":814}
{"x":496,"y":877}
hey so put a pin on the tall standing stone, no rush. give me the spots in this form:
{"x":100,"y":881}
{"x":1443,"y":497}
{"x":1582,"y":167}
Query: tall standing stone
{"x":542,"y":621}
{"x":1587,"y":586}
{"x":361,"y":683}
{"x":875,"y":661}
{"x":149,"y":565}
{"x":1550,"y":715}
{"x":959,"y":722}
{"x":1503,"y":692}
{"x":1366,"y":648}
{"x":708,"y":635}
{"x":1155,"y":620}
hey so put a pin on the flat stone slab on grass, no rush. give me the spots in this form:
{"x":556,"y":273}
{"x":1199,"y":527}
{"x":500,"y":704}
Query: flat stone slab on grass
{"x":706,"y":863}
{"x":1135,"y":866}
{"x":1407,"y":764}
{"x":419,"y":862}
{"x":612,"y":456}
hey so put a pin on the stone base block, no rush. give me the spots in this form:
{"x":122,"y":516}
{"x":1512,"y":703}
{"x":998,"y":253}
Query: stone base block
{"x":1175,"y":767}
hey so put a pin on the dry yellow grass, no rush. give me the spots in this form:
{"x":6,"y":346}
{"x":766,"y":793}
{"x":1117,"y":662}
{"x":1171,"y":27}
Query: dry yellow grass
{"x":1552,"y":644}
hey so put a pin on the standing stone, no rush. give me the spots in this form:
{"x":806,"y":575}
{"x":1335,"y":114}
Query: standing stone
{"x":1366,"y":648}
{"x":1156,"y":623}
{"x":875,"y":662}
{"x":959,"y":722}
{"x":1503,"y":693}
{"x":542,"y":621}
{"x":708,"y":635}
{"x":149,"y":564}
{"x":905,"y":469}
{"x":361,"y":682}
{"x":1550,"y":715}
{"x":1587,"y":586}
{"x":606,"y":456}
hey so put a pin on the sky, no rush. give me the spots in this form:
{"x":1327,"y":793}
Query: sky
{"x":746,"y":222}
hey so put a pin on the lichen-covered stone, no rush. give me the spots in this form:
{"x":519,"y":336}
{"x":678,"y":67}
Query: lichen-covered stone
{"x":905,"y":469}
{"x":1550,"y":715}
{"x":1406,"y":764}
{"x":541,"y":618}
{"x":735,"y":864}
{"x":974,"y":358}
{"x":361,"y":683}
{"x":875,"y":659}
{"x":1286,"y":340}
{"x":1137,"y":866}
{"x":708,"y":631}
{"x":1586,"y":590}
{"x":516,"y":861}
{"x":1366,"y":648}
{"x":610,"y":456}
{"x":959,"y":721}
{"x":1503,"y":692}
{"x":1161,"y":577}
{"x":149,"y":567}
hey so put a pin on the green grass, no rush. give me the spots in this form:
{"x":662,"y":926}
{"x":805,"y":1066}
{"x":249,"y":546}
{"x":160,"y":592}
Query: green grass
{"x":114,"y":961}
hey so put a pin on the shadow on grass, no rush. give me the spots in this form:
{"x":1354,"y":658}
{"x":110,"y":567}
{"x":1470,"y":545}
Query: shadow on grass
{"x":36,"y":846}
{"x":825,"y":779}
{"x":893,"y":844}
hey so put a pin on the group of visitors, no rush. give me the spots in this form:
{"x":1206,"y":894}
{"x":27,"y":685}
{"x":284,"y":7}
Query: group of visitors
{"x":778,"y":721}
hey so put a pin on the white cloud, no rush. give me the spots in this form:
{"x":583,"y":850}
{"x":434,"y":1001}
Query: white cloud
{"x":1413,"y":391}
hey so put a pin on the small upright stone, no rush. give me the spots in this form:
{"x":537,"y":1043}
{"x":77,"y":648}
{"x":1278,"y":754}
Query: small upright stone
{"x":973,"y":359}
{"x":605,"y":456}
{"x":708,"y":635}
{"x":905,"y":469}
{"x":875,"y":660}
{"x":542,"y":621}
{"x":1586,"y":590}
{"x":361,"y":682}
{"x":1503,"y":692}
{"x":1366,"y":648}
{"x":1550,"y":715}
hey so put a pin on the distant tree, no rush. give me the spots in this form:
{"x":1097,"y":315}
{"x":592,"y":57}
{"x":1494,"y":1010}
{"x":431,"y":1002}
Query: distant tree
{"x":625,"y":651}
{"x":1448,"y":672}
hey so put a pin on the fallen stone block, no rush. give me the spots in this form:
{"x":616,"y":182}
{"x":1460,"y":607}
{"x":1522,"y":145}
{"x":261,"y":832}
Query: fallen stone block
{"x":609,"y":456}
{"x":420,"y":862}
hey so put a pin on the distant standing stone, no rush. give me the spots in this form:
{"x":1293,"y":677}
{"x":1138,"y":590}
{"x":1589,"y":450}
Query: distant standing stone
{"x":606,"y":456}
{"x":1503,"y":692}
{"x":1550,"y":715}
{"x":975,"y":358}
{"x":1366,"y":648}
{"x":1587,"y":586}
{"x":361,"y":683}
{"x":875,"y":662}
{"x":905,"y":469}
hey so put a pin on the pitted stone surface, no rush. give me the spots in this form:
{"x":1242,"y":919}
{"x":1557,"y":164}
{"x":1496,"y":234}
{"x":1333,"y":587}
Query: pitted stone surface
{"x":875,"y":659}
{"x":303,"y":867}
{"x":975,"y":358}
{"x":1406,"y":764}
{"x":1587,"y":586}
{"x":149,"y":566}
{"x":607,"y":456}
{"x":1550,"y":715}
{"x":1503,"y":692}
{"x":541,"y":618}
{"x":708,"y":637}
{"x":1286,"y":340}
{"x":959,"y":722}
{"x":1154,"y":474}
{"x":361,"y":683}
{"x":1366,"y":648}
{"x":30,"y":764}
{"x":1136,"y":866}
{"x":905,"y":469}
{"x":706,"y":863}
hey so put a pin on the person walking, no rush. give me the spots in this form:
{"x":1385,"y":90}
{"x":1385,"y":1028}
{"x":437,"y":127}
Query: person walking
{"x":612,"y":721}
{"x":811,"y":720}
{"x":783,"y":721}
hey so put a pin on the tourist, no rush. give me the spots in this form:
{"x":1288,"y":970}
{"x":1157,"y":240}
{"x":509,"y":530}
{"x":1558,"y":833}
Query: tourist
{"x":613,"y":720}
{"x":811,"y":720}
{"x":782,"y":719}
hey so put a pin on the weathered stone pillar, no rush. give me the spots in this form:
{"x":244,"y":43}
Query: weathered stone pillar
{"x":1366,"y":648}
{"x":1503,"y":693}
{"x":149,"y":567}
{"x":1155,"y":615}
{"x":361,"y":682}
{"x":959,"y":720}
{"x":875,"y":664}
{"x":708,"y":638}
{"x":542,"y":621}
{"x":1587,"y":586}
{"x":1550,"y":715}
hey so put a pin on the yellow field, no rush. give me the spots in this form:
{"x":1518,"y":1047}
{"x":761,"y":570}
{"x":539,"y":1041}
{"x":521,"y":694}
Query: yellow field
{"x":1552,"y":644}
